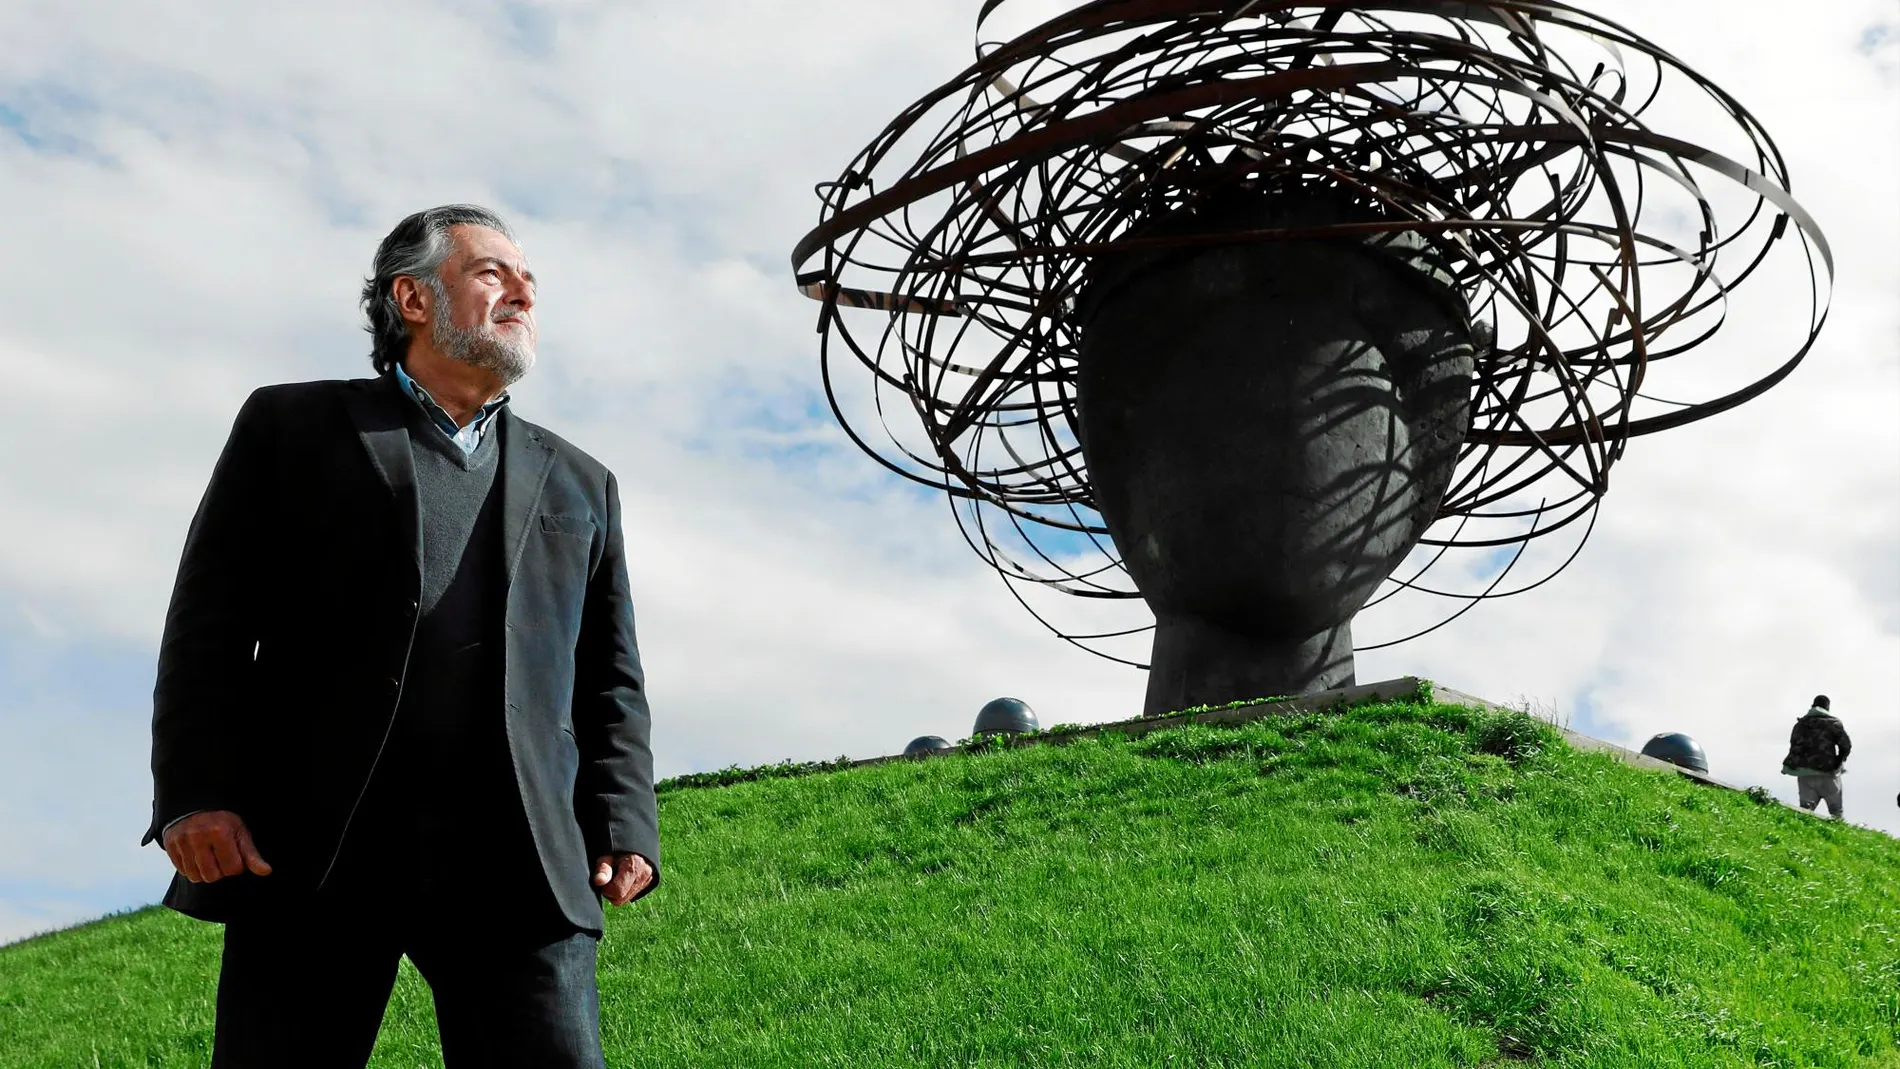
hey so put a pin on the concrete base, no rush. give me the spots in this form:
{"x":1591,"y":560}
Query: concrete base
{"x":1196,"y":662}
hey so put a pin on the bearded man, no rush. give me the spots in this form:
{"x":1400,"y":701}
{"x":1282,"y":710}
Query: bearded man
{"x":399,"y":707}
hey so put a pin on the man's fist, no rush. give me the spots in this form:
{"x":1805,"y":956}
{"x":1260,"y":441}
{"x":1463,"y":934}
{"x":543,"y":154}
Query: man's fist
{"x":621,"y":876}
{"x":206,"y":847}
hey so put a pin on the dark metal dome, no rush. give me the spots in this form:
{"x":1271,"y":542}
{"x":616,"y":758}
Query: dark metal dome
{"x":1677,"y":749}
{"x":927,"y":744}
{"x":1008,"y":716}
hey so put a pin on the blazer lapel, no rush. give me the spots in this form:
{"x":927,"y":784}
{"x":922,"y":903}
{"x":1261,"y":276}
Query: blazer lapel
{"x":376,"y":408}
{"x":525,"y":462}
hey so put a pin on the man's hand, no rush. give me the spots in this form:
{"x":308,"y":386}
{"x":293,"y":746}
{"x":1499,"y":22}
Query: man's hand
{"x":621,"y":876}
{"x":207,"y":847}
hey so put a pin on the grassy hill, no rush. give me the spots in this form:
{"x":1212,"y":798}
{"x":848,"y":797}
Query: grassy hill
{"x":1405,"y":884}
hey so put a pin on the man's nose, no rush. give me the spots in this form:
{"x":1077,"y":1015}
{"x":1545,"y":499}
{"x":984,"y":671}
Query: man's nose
{"x":520,"y":294}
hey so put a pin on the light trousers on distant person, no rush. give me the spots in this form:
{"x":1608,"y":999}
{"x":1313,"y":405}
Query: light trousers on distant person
{"x":1818,"y":789}
{"x":307,"y":988}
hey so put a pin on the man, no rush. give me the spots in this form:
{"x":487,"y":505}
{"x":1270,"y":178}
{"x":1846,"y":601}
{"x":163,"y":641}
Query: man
{"x":399,"y":706}
{"x":1817,"y":750}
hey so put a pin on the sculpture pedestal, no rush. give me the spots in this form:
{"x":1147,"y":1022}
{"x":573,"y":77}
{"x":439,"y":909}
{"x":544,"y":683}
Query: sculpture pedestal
{"x":1196,"y":662}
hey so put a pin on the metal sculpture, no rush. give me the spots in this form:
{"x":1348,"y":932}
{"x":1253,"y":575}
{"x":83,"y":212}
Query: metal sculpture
{"x":1127,"y":215}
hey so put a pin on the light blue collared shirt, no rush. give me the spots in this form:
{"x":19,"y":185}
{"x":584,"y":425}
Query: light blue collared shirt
{"x":466,"y":437}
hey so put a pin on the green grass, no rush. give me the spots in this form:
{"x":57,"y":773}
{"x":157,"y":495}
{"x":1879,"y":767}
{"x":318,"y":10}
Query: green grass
{"x":1402,"y":885}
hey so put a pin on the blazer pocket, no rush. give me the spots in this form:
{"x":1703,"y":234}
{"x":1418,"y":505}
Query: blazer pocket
{"x":572,"y":526}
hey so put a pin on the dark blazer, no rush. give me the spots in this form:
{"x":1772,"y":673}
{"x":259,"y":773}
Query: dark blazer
{"x":290,"y":627}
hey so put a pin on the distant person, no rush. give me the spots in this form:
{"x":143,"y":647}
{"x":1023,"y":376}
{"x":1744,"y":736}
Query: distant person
{"x":1817,"y":754}
{"x":399,"y":709}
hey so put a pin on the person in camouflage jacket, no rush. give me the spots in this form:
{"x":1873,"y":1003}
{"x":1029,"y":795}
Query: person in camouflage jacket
{"x":1817,"y":751}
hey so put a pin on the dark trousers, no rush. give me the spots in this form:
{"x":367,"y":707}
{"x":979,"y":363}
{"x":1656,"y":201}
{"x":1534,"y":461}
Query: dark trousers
{"x":307,"y":988}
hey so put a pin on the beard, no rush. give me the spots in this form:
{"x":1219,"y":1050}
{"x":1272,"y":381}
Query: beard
{"x":507,"y":357}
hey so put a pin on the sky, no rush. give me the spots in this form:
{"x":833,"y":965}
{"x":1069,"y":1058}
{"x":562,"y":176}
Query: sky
{"x":189,"y":199}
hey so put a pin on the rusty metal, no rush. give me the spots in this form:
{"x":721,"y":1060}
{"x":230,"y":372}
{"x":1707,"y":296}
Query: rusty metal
{"x":1517,"y":136}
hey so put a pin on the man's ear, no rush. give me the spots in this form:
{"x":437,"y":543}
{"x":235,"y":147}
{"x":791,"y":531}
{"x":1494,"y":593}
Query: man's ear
{"x":412,"y":299}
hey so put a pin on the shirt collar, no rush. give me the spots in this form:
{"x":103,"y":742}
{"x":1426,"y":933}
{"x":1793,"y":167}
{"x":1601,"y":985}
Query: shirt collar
{"x":476,"y":428}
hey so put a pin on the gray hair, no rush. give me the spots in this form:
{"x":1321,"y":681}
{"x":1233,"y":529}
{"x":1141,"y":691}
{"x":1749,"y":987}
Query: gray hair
{"x":415,"y":248}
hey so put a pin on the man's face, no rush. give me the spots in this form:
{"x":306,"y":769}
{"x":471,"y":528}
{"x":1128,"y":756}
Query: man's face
{"x":484,"y":304}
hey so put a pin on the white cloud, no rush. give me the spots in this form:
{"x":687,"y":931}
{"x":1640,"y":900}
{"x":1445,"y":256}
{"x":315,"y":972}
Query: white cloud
{"x":194,"y":193}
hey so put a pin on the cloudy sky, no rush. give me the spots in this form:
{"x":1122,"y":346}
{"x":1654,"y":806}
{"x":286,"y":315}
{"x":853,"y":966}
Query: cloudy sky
{"x":190,"y":193}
